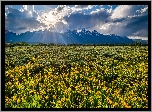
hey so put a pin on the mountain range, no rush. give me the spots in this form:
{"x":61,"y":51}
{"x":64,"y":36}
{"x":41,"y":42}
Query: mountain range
{"x":68,"y":37}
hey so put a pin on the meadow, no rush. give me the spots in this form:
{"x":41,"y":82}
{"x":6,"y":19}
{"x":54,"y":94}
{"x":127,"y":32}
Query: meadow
{"x":76,"y":77}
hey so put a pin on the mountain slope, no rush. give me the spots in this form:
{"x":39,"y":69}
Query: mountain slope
{"x":69,"y":37}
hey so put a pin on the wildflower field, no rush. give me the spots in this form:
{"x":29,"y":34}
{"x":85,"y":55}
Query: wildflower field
{"x":76,"y":77}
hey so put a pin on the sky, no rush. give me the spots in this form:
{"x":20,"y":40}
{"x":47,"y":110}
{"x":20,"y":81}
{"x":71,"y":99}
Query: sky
{"x":122,"y":20}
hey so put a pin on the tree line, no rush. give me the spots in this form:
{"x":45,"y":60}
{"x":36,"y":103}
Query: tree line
{"x":74,"y":44}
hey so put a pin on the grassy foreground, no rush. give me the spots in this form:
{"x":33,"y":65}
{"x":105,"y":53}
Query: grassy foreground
{"x":76,"y":77}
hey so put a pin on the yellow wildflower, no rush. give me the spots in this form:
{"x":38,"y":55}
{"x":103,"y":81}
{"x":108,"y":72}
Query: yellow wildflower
{"x":59,"y":101}
{"x":99,"y":102}
{"x":104,"y":88}
{"x":6,"y":98}
{"x":40,"y":96}
{"x":17,"y":82}
{"x":31,"y":91}
{"x":98,"y":93}
{"x":62,"y":99}
{"x":18,"y":100}
{"x":47,"y":97}
{"x":109,"y":100}
{"x":115,"y":104}
{"x":14,"y":97}
{"x":54,"y":96}
{"x":98,"y":106}
{"x":127,"y":106}
{"x":91,"y":99}
{"x":49,"y":73}
{"x":115,"y":61}
{"x":76,"y":71}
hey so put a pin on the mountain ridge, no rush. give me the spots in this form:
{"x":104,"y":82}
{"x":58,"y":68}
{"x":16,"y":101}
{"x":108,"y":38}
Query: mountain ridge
{"x":68,"y":37}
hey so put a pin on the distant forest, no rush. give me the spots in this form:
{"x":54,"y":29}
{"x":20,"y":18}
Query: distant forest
{"x":74,"y":44}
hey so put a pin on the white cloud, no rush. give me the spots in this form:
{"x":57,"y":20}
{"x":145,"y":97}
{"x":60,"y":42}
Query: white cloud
{"x":144,"y":9}
{"x":29,"y":7}
{"x":123,"y":11}
{"x":81,"y":7}
{"x":25,"y":7}
{"x":138,"y":37}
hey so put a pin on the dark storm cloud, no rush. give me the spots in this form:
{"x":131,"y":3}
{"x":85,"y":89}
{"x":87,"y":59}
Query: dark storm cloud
{"x":101,"y":15}
{"x":134,"y":26}
{"x":132,"y":21}
{"x":18,"y":21}
{"x":115,"y":20}
{"x":138,"y":21}
{"x":76,"y":20}
{"x":138,"y":26}
{"x":21,"y":28}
